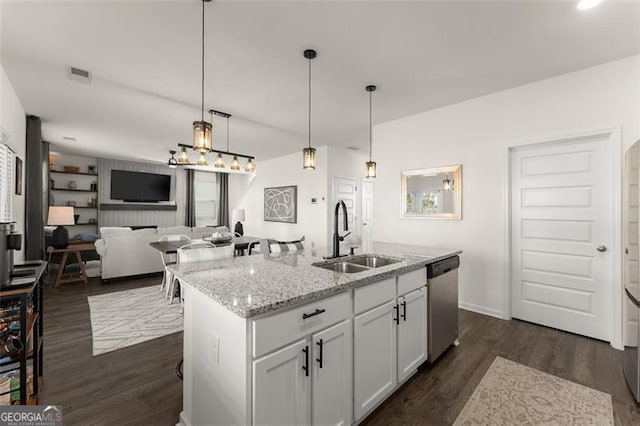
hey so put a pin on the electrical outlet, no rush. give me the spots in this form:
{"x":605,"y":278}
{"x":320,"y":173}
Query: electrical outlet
{"x":215,"y":348}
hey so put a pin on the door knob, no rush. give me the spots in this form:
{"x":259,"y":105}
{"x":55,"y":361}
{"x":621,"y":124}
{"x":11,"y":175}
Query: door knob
{"x":602,"y":249}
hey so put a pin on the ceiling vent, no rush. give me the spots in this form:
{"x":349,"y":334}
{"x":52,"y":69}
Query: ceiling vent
{"x":353,"y":148}
{"x":78,"y":74}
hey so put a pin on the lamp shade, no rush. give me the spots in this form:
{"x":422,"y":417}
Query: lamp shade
{"x":60,"y":216}
{"x":239,"y":214}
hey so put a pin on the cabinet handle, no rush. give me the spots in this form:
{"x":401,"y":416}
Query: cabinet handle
{"x":313,"y":314}
{"x":404,"y":310}
{"x":319,"y":359}
{"x":397,"y":309}
{"x":305,"y":367}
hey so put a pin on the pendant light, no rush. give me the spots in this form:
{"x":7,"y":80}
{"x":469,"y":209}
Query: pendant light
{"x":235,"y":165}
{"x":172,"y":163}
{"x":183,"y":157}
{"x":371,"y":165}
{"x":447,"y":184}
{"x":251,"y":166}
{"x":219,"y":163}
{"x":202,"y":130}
{"x":202,"y":159}
{"x":309,"y":153}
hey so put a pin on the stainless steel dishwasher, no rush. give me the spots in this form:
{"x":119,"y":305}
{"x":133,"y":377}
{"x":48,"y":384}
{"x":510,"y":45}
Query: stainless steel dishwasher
{"x":442,"y":306}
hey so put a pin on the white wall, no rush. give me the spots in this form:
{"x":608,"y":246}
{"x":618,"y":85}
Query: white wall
{"x":13,"y":122}
{"x":344,"y":163}
{"x":284,"y":171}
{"x":477,"y":134}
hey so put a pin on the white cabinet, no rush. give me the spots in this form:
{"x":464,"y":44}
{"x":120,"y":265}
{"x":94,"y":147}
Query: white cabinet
{"x":332,"y":375}
{"x":374,"y":357}
{"x":412,"y":332}
{"x":282,"y":386}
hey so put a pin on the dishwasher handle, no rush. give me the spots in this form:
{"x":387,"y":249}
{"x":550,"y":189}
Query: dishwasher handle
{"x":441,"y":267}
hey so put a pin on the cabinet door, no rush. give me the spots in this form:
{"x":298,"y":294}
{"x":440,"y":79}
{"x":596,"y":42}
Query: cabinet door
{"x":332,"y":375}
{"x":374,"y":357}
{"x":412,"y":332}
{"x":281,"y":386}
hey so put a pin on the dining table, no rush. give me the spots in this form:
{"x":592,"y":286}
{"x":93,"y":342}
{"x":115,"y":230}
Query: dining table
{"x":171,"y":247}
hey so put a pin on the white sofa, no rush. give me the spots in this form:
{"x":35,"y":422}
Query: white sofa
{"x":124,"y":252}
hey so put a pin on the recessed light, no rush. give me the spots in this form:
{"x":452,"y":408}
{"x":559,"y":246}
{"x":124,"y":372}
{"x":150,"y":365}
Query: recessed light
{"x":68,"y":139}
{"x":588,"y":4}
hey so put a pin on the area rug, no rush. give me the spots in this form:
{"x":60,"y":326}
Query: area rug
{"x":513,"y":394}
{"x":129,"y":317}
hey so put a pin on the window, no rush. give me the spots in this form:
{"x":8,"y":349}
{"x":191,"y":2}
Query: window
{"x":206,"y":197}
{"x":6,"y":181}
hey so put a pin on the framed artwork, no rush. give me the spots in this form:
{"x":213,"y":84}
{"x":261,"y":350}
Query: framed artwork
{"x":18,"y":176}
{"x":281,"y":204}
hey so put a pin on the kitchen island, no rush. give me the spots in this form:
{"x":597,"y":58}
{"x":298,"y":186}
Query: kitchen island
{"x":279,"y":339}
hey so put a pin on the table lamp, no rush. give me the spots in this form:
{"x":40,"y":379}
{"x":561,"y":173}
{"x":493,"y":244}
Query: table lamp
{"x":239,"y":215}
{"x":60,"y":216}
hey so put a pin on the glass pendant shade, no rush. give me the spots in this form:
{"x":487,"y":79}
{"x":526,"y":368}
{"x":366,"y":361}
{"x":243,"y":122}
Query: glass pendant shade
{"x":202,"y":136}
{"x":309,"y":158}
{"x":235,"y":165}
{"x":219,"y":162}
{"x":203,"y":160}
{"x":447,"y":184}
{"x":251,"y":167}
{"x":183,"y":157}
{"x":371,"y":169}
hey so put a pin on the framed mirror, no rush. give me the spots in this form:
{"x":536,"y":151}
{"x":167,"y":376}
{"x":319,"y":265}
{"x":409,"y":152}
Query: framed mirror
{"x":434,"y":193}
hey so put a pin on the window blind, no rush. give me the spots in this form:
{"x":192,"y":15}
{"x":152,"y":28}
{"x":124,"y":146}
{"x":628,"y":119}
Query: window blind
{"x":7,"y":158}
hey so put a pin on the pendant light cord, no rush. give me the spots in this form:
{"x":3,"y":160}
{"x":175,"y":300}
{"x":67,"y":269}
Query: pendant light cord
{"x":370,"y":137}
{"x":202,"y":92}
{"x":227,"y":134}
{"x":309,"y":102}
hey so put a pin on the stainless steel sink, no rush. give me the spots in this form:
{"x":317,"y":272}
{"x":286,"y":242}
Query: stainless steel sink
{"x":374,"y":261}
{"x":357,"y":264}
{"x":344,"y":267}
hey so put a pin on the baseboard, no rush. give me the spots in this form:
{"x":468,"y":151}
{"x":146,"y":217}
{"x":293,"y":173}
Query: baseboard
{"x":482,"y":310}
{"x":184,"y":421}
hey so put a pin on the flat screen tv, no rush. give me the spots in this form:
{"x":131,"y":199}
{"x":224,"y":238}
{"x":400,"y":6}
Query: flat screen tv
{"x":139,"y":187}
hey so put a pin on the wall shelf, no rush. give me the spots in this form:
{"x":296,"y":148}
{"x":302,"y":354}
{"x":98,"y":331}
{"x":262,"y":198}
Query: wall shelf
{"x":134,"y":206}
{"x":68,"y":173}
{"x":74,"y":190}
{"x":76,"y":207}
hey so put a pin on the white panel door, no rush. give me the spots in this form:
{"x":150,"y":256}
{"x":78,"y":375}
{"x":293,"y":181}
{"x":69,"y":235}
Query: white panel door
{"x":367,"y":215}
{"x":631,"y":234}
{"x":562,"y":232}
{"x":346,"y":189}
{"x":332,"y":375}
{"x":412,"y":332}
{"x":281,"y":387}
{"x":374,"y":357}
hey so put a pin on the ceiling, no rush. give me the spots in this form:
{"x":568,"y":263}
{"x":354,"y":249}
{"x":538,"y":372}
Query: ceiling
{"x":145,"y":60}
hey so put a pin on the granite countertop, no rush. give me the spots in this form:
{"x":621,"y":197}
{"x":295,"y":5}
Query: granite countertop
{"x":254,"y":285}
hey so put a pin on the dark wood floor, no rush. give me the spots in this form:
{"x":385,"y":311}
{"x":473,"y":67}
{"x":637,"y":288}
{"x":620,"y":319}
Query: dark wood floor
{"x":138,"y":385}
{"x":134,"y":385}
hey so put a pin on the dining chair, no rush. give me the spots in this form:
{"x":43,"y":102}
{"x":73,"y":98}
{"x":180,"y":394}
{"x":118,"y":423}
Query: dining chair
{"x":169,"y":259}
{"x":254,"y":247}
{"x":199,"y":252}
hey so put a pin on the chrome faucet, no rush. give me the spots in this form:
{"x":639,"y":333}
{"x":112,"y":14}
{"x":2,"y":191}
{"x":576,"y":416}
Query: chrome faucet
{"x":336,"y":236}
